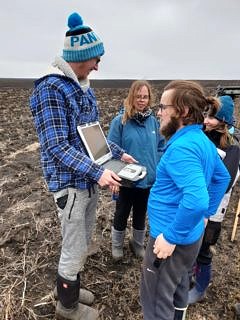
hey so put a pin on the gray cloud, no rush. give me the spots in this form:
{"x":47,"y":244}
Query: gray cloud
{"x":158,"y":39}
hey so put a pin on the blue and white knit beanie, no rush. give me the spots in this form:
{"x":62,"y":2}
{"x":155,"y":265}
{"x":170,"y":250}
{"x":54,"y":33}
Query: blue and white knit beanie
{"x":225,"y":113}
{"x":81,"y":43}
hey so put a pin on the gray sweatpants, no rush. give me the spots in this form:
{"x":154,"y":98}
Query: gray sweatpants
{"x":165,"y":287}
{"x":77,"y":223}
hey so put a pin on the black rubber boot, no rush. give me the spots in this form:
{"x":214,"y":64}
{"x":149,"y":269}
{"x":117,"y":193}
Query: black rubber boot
{"x":68,"y":291}
{"x":68,"y":306}
{"x":85,"y":296}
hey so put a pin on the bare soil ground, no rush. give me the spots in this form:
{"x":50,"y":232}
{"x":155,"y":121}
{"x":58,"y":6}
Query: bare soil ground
{"x":30,"y":236}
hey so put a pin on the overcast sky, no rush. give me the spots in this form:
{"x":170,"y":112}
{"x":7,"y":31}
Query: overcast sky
{"x":153,"y":39}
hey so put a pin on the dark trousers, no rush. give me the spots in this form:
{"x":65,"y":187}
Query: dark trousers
{"x":135,"y":199}
{"x":211,"y":235}
{"x":165,"y":286}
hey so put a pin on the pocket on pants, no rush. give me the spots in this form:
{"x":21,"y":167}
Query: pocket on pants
{"x":65,"y":203}
{"x":62,"y":201}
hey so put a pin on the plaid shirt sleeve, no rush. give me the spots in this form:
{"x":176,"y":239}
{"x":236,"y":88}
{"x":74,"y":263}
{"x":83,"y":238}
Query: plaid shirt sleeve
{"x":53,"y":130}
{"x":117,"y":152}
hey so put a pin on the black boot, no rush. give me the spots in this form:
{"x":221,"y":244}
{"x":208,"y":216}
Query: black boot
{"x":68,"y":306}
{"x":85,"y":296}
{"x":68,"y":291}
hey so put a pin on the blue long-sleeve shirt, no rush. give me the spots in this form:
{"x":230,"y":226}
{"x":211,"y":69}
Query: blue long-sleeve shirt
{"x":191,"y":181}
{"x":59,"y":105}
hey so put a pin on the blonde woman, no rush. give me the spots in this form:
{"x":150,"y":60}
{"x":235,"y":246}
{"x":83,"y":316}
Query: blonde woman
{"x":136,"y":130}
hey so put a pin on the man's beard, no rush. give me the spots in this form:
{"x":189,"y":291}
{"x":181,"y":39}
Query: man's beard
{"x":169,"y":129}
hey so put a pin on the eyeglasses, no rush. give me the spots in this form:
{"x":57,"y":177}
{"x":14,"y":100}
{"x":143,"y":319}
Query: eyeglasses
{"x":164,"y":106}
{"x":139,"y":97}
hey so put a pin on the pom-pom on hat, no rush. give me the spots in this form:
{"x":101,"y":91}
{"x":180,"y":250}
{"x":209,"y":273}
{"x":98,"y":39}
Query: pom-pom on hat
{"x":225,"y":113}
{"x":81,"y":42}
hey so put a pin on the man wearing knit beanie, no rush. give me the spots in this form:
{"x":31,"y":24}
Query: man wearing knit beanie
{"x":60,"y":102}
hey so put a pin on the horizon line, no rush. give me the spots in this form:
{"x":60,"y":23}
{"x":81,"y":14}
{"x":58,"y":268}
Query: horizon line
{"x":110,"y":83}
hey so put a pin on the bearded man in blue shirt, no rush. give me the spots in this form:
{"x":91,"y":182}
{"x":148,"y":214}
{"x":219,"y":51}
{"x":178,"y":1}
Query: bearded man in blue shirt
{"x":191,"y":180}
{"x":61,"y":101}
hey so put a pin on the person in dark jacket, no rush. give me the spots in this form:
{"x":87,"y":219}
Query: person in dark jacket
{"x":136,"y":130}
{"x":62,"y":100}
{"x":216,"y":126}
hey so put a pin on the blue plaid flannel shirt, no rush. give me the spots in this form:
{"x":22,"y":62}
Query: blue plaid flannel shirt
{"x":58,"y":106}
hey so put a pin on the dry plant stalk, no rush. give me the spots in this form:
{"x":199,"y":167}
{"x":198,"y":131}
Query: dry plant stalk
{"x":234,"y":230}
